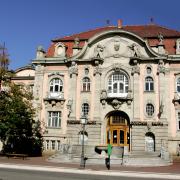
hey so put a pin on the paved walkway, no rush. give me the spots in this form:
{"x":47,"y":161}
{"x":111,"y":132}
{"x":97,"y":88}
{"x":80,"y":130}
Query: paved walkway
{"x":40,"y":163}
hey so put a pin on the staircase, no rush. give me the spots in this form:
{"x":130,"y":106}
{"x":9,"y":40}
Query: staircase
{"x":141,"y":159}
{"x":145,"y":159}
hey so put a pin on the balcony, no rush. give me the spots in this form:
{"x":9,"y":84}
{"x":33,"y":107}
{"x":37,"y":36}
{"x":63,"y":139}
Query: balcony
{"x":116,"y":99}
{"x":54,"y":97}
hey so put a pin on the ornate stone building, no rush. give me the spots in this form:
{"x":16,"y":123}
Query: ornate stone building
{"x":125,"y":80}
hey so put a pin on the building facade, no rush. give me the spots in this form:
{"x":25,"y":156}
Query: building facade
{"x":124,"y":79}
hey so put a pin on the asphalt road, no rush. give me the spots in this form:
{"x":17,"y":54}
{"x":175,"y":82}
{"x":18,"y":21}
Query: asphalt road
{"x":14,"y":174}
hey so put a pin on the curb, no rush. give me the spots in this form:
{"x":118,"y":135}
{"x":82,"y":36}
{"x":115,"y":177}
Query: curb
{"x":90,"y":171}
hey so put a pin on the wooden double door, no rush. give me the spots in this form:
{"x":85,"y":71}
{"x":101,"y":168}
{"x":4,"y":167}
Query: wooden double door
{"x":118,"y":131}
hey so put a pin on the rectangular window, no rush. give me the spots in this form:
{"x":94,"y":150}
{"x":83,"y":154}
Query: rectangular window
{"x":47,"y":144}
{"x":54,"y":119}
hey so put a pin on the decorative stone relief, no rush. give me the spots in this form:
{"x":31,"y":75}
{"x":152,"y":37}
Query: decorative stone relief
{"x":40,"y":53}
{"x":116,"y":45}
{"x":149,"y":125}
{"x":55,"y":74}
{"x":76,"y":42}
{"x":73,"y":69}
{"x":98,"y":51}
{"x":136,"y":68}
{"x":49,"y":103}
{"x":176,"y":99}
{"x":161,"y":68}
{"x":115,"y":102}
{"x":69,"y":106}
{"x":97,"y":70}
{"x":160,"y":38}
{"x":135,"y":50}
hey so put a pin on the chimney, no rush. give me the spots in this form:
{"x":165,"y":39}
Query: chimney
{"x":119,"y":23}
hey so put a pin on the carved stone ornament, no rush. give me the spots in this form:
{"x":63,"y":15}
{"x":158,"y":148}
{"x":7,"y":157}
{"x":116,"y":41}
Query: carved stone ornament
{"x":135,"y":50}
{"x":73,"y":69}
{"x":161,"y":68}
{"x":97,"y":70}
{"x":149,"y":125}
{"x":176,"y":99}
{"x":116,"y":104}
{"x":161,"y":38}
{"x":116,"y":45}
{"x":55,"y":74}
{"x":116,"y":67}
{"x":69,"y":106}
{"x":98,"y":51}
{"x":135,"y":70}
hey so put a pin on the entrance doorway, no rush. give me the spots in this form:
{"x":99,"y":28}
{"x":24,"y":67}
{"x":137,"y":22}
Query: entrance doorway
{"x":117,"y":129}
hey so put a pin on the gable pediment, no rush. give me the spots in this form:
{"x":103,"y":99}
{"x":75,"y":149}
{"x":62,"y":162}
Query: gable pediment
{"x":116,"y":43}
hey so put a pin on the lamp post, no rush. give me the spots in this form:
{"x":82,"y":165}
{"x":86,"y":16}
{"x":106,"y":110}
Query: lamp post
{"x":83,"y":122}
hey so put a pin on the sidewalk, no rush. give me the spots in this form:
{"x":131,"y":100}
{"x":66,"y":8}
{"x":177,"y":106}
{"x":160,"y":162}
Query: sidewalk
{"x":42,"y":162}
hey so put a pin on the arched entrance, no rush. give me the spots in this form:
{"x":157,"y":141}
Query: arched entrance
{"x":117,"y":129}
{"x":149,"y":142}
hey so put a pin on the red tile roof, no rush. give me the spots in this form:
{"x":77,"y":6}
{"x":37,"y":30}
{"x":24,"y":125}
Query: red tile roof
{"x":144,"y":31}
{"x":150,"y":32}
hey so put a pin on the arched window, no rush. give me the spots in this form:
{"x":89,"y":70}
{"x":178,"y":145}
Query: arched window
{"x":56,"y":87}
{"x":85,"y":109}
{"x":149,"y":109}
{"x":178,"y":85}
{"x":86,"y":84}
{"x":118,"y":85}
{"x":149,"y":84}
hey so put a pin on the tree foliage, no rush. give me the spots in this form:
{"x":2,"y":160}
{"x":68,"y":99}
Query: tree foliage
{"x":18,"y":131}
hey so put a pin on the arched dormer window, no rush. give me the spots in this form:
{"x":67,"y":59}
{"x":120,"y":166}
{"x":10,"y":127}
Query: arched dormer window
{"x":60,"y":50}
{"x":178,"y":85}
{"x":86,"y":84}
{"x":118,"y":85}
{"x":149,"y":84}
{"x":55,"y":87}
{"x":178,"y":46}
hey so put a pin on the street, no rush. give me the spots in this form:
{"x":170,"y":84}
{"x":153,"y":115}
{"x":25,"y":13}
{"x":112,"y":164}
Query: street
{"x":14,"y":174}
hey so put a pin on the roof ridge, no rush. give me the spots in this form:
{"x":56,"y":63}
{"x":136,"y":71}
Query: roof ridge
{"x":76,"y":34}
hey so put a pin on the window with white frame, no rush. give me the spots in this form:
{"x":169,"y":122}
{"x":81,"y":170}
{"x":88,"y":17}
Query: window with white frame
{"x":55,"y":87}
{"x":149,"y":84}
{"x":178,"y":85}
{"x":118,"y":85}
{"x":86,"y":84}
{"x":54,"y":119}
{"x":85,"y":109}
{"x":178,"y":121}
{"x":149,"y":109}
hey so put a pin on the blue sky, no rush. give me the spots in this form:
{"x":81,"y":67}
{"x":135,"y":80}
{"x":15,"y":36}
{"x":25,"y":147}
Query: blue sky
{"x":25,"y":24}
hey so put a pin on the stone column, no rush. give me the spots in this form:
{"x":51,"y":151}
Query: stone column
{"x":97,"y":91}
{"x":73,"y":72}
{"x":163,"y":95}
{"x":38,"y":90}
{"x":136,"y":91}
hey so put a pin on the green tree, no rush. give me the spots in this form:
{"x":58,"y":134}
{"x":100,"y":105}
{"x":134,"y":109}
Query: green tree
{"x":18,"y":131}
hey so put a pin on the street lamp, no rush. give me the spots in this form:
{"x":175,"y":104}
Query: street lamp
{"x":83,"y":122}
